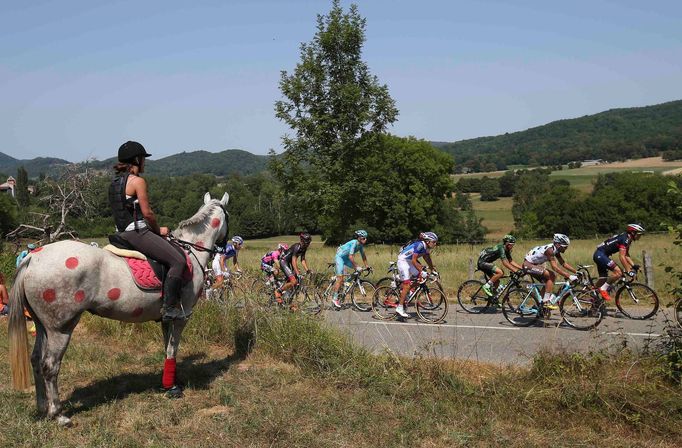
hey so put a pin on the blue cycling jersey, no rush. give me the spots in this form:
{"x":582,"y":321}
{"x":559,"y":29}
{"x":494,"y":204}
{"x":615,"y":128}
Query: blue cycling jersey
{"x":350,"y":248}
{"x":615,"y":243}
{"x":417,"y":247}
{"x":229,"y":251}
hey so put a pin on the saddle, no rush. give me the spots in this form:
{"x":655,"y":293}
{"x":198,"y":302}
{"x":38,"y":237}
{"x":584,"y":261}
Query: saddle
{"x":147,"y":273}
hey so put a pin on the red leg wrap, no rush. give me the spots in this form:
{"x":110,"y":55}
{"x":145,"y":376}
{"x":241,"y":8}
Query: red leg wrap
{"x":168,"y":380}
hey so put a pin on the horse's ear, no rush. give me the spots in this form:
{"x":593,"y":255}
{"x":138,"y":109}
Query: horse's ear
{"x":225,"y":199}
{"x":207,"y":198}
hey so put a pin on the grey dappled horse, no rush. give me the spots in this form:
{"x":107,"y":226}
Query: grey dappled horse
{"x":62,"y":280}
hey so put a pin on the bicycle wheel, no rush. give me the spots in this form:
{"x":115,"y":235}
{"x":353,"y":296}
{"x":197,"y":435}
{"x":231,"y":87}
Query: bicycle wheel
{"x":582,"y":311}
{"x":385,"y":302}
{"x":678,"y":311}
{"x":432,"y":305}
{"x":234,"y":295}
{"x":362,"y":295}
{"x":637,"y":301}
{"x":471,"y":297}
{"x":385,"y":281}
{"x":520,"y":307}
{"x":307,"y":301}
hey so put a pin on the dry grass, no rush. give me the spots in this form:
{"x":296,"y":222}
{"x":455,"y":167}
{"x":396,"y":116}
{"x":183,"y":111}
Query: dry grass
{"x":309,"y":386}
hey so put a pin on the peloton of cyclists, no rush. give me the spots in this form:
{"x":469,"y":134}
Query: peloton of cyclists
{"x":345,"y":257}
{"x":409,"y":266}
{"x":602,"y":257}
{"x":231,"y":250}
{"x":535,"y":260}
{"x":289,"y":264}
{"x":501,"y":251}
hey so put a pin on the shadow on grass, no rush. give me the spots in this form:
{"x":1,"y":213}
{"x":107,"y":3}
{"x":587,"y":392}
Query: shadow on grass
{"x":192,"y":374}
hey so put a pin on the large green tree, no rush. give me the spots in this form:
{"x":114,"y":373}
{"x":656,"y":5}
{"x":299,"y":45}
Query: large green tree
{"x":337,"y":110}
{"x":21,"y":191}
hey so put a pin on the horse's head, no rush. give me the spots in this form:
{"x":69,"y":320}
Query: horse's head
{"x":221,"y":240}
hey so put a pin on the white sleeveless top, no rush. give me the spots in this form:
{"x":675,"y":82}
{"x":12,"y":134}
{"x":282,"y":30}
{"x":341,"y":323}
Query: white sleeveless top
{"x":537,"y":254}
{"x":141,"y":223}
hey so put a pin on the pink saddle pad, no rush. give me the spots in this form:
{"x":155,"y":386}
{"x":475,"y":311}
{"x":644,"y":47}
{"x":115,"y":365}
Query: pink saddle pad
{"x":145,"y":277}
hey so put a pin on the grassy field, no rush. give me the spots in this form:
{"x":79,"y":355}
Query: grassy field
{"x":286,"y":381}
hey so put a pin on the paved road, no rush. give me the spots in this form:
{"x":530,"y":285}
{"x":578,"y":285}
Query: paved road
{"x":490,"y":338}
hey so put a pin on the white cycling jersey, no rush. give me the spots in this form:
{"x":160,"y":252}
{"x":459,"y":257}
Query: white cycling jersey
{"x":538,"y":254}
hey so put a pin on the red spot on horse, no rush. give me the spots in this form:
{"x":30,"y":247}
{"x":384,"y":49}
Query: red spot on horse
{"x":114,"y":294}
{"x":137,"y":312}
{"x":215,"y":223}
{"x":79,"y":296}
{"x":37,"y":249}
{"x":200,"y":243}
{"x":49,"y":295}
{"x":71,"y":262}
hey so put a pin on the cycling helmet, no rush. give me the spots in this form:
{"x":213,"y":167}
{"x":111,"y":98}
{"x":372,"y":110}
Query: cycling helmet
{"x":31,"y":246}
{"x":305,"y":237}
{"x":561,"y":239}
{"x":509,"y":239}
{"x":130,"y":150}
{"x":635,"y":228}
{"x":360,"y":234}
{"x":282,"y":246}
{"x":428,"y":236}
{"x":238,"y":240}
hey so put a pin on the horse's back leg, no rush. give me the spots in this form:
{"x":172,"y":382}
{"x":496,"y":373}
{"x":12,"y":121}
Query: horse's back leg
{"x":57,"y":342}
{"x":36,"y":361}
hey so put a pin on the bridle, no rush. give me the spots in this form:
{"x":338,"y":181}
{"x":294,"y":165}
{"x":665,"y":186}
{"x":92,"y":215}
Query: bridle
{"x":192,"y":247}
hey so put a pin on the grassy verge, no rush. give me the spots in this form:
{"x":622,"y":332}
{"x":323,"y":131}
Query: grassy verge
{"x":284,"y":380}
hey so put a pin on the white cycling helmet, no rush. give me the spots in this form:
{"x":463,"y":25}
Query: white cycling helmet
{"x":238,"y":240}
{"x":561,"y":239}
{"x":635,"y":228}
{"x":428,"y":236}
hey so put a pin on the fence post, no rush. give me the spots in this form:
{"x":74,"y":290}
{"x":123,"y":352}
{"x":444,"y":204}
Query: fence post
{"x":471,"y":268}
{"x":648,"y":269}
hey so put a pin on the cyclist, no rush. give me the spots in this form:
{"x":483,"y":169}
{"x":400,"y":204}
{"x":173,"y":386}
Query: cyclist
{"x":269,"y":264}
{"x":231,"y":250}
{"x":602,"y":257}
{"x":345,"y":257}
{"x":501,"y":251}
{"x":409,"y":266}
{"x":289,"y":264}
{"x":535,"y":261}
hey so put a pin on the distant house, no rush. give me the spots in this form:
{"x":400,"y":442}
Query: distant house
{"x":9,"y":186}
{"x":593,"y":162}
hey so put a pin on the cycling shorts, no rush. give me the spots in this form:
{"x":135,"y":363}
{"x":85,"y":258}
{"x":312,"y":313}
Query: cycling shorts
{"x":604,"y":263}
{"x":487,"y":268}
{"x":342,"y":262}
{"x":216,"y":268}
{"x":406,"y":270}
{"x":536,"y":270}
{"x":265,"y":267}
{"x":288,"y":270}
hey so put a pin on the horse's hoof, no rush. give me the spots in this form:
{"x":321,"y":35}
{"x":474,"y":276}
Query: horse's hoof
{"x":64,"y":422}
{"x":174,"y":392}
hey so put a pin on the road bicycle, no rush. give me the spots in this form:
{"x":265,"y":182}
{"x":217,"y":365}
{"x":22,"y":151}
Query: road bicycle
{"x":359,"y":290}
{"x":430,"y":300}
{"x":302,"y":297}
{"x":635,"y":300}
{"x":580,"y":305}
{"x":229,"y":293}
{"x":473,"y":299}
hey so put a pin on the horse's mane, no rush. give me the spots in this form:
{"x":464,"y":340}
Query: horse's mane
{"x":201,"y":216}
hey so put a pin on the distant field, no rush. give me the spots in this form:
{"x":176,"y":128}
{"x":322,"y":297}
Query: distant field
{"x":497,"y":216}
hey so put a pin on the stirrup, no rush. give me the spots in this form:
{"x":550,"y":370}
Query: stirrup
{"x":173,"y":314}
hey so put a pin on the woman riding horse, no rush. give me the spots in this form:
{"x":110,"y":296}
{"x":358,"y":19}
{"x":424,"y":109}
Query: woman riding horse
{"x":136,"y":223}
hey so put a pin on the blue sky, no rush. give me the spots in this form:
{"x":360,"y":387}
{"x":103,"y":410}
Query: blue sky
{"x":77,"y":78}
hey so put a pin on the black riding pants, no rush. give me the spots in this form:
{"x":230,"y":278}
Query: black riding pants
{"x":157,"y":247}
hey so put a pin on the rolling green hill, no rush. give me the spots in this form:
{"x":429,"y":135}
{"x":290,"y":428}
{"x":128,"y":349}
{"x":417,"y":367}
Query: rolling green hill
{"x":616,"y":134}
{"x":9,"y":165}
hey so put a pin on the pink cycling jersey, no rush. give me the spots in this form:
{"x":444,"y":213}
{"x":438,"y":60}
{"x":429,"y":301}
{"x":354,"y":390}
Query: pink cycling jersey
{"x":271,"y":257}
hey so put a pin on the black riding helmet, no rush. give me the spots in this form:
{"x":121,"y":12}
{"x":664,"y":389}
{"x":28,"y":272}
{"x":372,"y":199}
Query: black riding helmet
{"x":130,"y":150}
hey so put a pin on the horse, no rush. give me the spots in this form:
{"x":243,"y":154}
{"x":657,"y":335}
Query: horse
{"x":58,"y":282}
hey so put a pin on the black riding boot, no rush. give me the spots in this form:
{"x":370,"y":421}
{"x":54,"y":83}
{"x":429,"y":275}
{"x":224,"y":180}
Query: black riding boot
{"x":171,"y":298}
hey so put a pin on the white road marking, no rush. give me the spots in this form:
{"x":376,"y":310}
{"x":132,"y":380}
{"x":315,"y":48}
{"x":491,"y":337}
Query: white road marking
{"x":439,"y":325}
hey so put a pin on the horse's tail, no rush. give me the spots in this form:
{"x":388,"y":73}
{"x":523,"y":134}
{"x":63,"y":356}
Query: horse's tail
{"x":18,"y":337}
